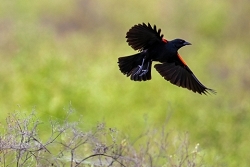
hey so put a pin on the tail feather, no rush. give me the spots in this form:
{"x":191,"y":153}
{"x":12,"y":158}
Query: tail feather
{"x":130,"y":66}
{"x":127,"y":63}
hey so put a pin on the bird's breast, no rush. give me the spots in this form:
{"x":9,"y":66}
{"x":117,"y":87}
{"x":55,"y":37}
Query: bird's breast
{"x":161,"y":53}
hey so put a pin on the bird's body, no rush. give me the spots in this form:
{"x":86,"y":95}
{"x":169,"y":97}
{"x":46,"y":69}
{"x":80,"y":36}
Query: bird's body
{"x":153,"y":47}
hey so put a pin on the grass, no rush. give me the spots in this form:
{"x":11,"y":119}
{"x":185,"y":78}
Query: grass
{"x":56,"y":54}
{"x":22,"y":144}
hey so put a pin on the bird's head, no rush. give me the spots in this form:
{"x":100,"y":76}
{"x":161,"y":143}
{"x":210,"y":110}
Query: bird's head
{"x":178,"y":43}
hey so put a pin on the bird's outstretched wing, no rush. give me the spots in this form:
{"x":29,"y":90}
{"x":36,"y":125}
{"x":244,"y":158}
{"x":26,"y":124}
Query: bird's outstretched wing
{"x":178,"y":73}
{"x":142,"y":36}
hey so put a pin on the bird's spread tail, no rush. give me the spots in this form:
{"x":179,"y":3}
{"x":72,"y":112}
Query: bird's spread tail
{"x":136,"y":67}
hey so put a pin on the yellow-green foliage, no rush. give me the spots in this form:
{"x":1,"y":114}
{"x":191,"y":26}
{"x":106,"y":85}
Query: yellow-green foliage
{"x":57,"y":53}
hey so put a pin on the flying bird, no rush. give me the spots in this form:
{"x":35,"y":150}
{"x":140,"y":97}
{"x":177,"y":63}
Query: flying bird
{"x":153,"y":47}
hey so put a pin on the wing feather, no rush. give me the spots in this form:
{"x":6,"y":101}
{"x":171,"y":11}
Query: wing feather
{"x":142,"y":36}
{"x":183,"y":77}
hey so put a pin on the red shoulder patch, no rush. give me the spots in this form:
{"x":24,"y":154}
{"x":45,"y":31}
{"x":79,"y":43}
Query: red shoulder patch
{"x":181,"y":59}
{"x":164,"y":40}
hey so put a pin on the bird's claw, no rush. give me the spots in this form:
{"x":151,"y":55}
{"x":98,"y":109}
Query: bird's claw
{"x":139,"y":70}
{"x":143,"y":72}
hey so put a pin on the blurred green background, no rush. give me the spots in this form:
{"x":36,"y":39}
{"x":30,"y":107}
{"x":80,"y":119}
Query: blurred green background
{"x":59,"y":53}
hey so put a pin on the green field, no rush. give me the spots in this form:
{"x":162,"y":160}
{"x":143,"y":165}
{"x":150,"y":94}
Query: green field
{"x":56,"y":54}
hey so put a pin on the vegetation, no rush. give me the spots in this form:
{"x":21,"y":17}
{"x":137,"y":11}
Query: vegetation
{"x":56,"y":54}
{"x":68,"y":145}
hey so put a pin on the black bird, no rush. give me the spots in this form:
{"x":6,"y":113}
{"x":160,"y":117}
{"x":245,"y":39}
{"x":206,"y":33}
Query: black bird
{"x":153,"y":47}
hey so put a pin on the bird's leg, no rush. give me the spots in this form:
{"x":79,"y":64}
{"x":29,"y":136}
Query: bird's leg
{"x":140,"y":67}
{"x":145,"y":70}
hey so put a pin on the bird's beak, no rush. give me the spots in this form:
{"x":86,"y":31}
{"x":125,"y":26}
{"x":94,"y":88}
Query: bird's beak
{"x":186,"y":43}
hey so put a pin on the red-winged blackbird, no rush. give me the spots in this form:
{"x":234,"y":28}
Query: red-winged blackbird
{"x":153,"y":47}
